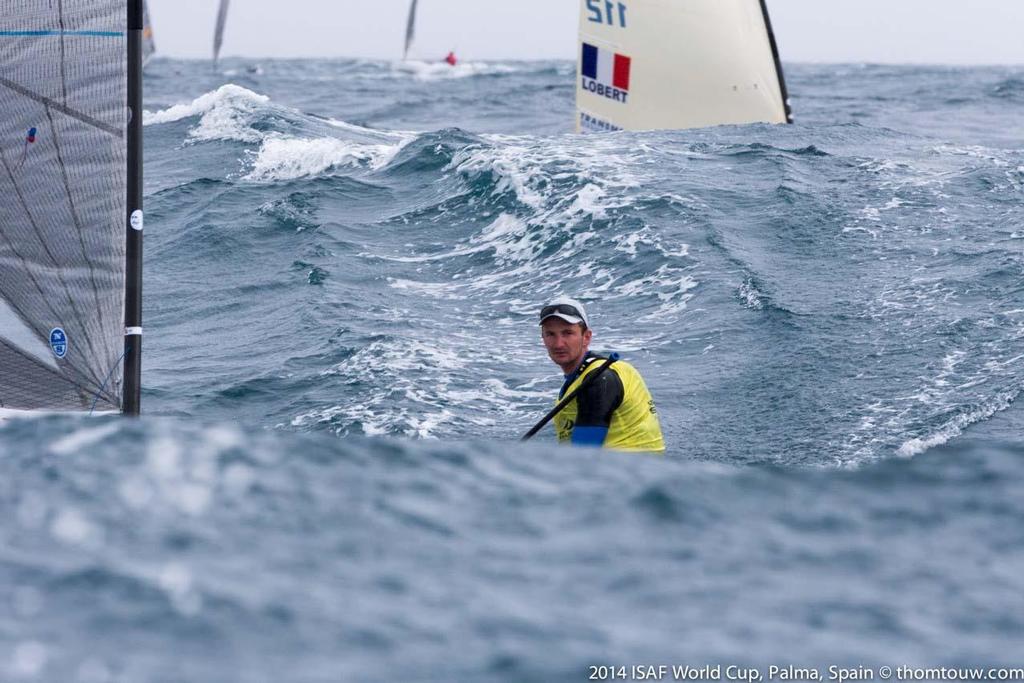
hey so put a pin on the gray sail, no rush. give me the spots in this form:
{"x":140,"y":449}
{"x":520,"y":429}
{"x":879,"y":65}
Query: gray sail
{"x":410,"y":29}
{"x":218,"y":32}
{"x":63,"y":178}
{"x":148,"y":44}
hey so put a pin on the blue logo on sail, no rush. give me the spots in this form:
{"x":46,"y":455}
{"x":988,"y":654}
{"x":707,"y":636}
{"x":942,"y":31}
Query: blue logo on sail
{"x":59,"y":342}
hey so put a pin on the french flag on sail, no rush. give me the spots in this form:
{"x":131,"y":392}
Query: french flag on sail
{"x":606,"y":67}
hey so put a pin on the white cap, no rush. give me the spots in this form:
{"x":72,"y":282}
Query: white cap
{"x":569,"y":310}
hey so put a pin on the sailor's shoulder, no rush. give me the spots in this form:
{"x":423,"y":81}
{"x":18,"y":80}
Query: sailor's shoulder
{"x":596,"y":360}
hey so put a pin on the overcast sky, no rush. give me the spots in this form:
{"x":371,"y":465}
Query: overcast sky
{"x":890,"y":31}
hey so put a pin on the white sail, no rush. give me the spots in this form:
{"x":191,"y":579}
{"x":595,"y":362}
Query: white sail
{"x":410,"y":29}
{"x":218,"y":32}
{"x":668,"y":64}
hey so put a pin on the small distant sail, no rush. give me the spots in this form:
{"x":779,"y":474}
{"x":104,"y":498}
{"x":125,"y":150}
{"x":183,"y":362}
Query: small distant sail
{"x":218,"y":33}
{"x":410,"y":29}
{"x":70,"y":177}
{"x":666,"y":64}
{"x":148,"y":44}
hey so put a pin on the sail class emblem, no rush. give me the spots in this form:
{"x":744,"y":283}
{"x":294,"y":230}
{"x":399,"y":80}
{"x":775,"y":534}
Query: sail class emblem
{"x":59,"y":342}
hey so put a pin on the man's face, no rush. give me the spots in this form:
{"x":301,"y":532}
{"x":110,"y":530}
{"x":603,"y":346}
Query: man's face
{"x":565,"y":342}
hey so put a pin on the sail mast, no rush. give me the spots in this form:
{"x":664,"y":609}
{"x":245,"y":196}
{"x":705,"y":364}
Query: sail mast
{"x":218,"y":34}
{"x":133,"y":223}
{"x":410,"y":29}
{"x":778,"y":61}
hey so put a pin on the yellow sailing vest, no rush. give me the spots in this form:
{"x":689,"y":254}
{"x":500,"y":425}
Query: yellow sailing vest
{"x":634,"y":425}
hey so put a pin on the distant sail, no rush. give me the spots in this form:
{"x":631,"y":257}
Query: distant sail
{"x":666,"y":64}
{"x":410,"y":29}
{"x":218,"y":34}
{"x":148,"y":44}
{"x":68,"y":75}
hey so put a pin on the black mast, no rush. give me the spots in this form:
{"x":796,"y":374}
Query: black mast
{"x":778,"y":62}
{"x":133,"y":222}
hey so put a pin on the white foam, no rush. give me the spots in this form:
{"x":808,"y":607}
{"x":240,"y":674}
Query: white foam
{"x":440,"y":70}
{"x":506,"y":162}
{"x":286,"y":158}
{"x":534,"y":170}
{"x":7,"y":414}
{"x":871,"y":213}
{"x":435,"y":289}
{"x":671,"y":288}
{"x":752,"y":298}
{"x":646,"y":236}
{"x":506,"y":235}
{"x":406,"y":405}
{"x":226,"y":94}
{"x":589,"y":201}
{"x":858,"y":228}
{"x":74,"y":442}
{"x":229,"y":112}
{"x":954,"y":427}
{"x":226,"y":114}
{"x":883,"y":166}
{"x":975,"y":151}
{"x":377,"y":417}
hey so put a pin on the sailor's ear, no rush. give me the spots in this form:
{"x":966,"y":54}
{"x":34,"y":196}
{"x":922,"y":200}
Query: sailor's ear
{"x":587,"y":335}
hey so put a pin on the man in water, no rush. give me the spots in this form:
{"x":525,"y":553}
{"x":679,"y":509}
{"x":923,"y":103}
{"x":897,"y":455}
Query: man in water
{"x":451,"y":59}
{"x":615,"y":410}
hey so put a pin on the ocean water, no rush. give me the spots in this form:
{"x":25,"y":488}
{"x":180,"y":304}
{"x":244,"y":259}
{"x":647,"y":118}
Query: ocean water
{"x":344,"y":261}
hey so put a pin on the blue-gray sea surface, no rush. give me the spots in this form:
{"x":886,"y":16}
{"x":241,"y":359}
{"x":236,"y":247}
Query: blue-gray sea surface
{"x":344,"y":261}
